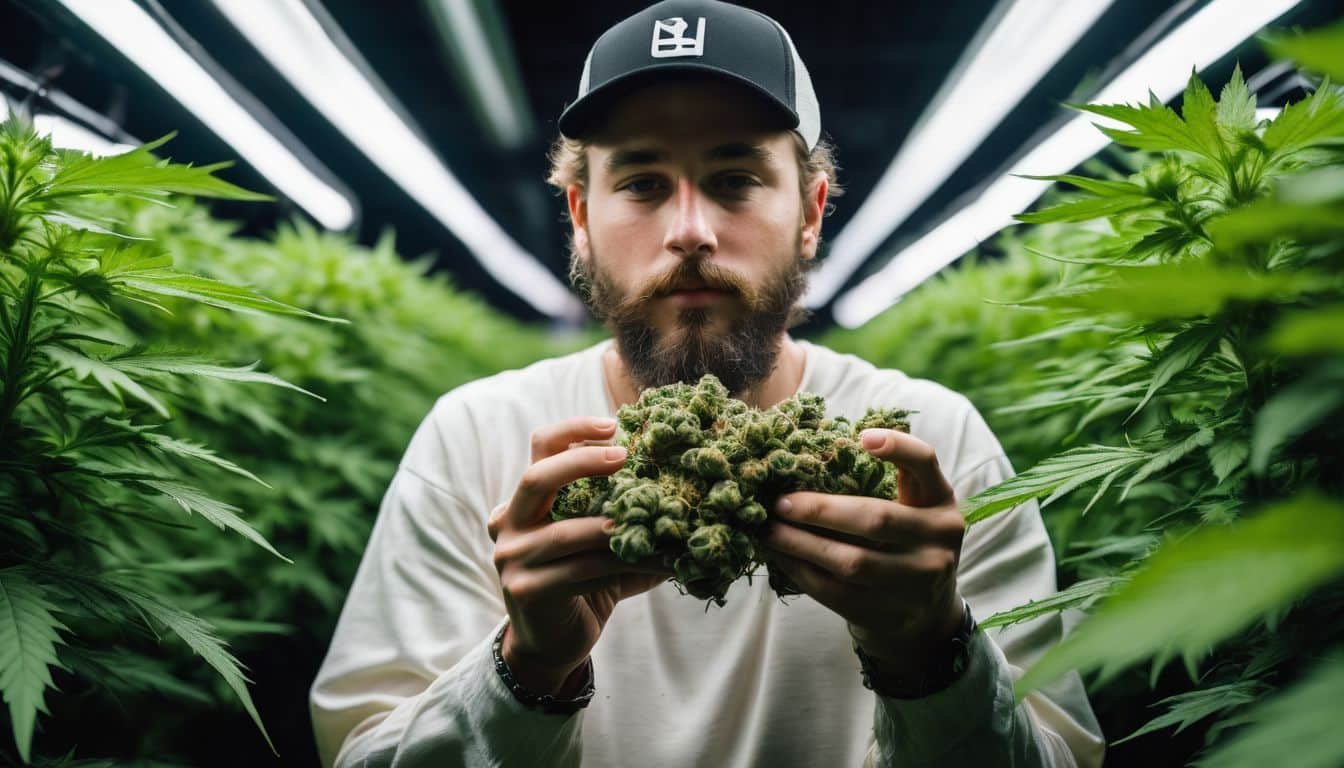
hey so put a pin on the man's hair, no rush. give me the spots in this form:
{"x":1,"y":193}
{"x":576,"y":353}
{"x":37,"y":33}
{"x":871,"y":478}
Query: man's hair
{"x":569,"y":165}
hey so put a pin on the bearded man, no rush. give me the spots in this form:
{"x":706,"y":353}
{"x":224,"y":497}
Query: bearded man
{"x":479,"y":632}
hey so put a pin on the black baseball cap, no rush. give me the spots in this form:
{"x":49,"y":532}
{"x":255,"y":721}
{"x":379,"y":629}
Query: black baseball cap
{"x":701,"y":37}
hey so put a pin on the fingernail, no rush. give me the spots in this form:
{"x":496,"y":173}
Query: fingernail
{"x":614,"y":453}
{"x":605,"y":424}
{"x":783,"y":506}
{"x":872,"y":438}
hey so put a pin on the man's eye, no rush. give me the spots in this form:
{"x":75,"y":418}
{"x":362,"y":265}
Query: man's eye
{"x":641,"y":186}
{"x":737,"y":182}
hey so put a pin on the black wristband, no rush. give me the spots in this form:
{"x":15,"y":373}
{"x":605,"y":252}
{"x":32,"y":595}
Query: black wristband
{"x":942,"y":671}
{"x":542,"y":701}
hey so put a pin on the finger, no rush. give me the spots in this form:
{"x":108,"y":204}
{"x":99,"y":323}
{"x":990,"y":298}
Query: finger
{"x":816,"y":583}
{"x":532,"y":499}
{"x":869,"y":519}
{"x":568,"y":576}
{"x":555,"y":540}
{"x":842,"y":560}
{"x":921,"y":481}
{"x":496,"y":516}
{"x":554,"y":438}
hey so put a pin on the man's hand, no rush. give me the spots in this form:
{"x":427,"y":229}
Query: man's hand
{"x":561,"y":580}
{"x":889,"y":568}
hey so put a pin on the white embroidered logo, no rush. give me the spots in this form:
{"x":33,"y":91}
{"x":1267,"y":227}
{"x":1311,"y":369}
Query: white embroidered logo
{"x":668,"y":40}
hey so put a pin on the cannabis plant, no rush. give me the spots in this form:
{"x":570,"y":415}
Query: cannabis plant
{"x":88,"y":471}
{"x":1218,"y":267}
{"x":703,"y":468}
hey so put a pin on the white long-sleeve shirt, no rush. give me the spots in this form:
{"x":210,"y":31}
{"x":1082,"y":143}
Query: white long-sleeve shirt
{"x":409,"y":680}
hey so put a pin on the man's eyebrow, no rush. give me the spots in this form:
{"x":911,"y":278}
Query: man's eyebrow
{"x":623,"y":158}
{"x":740,"y":150}
{"x":737,"y":150}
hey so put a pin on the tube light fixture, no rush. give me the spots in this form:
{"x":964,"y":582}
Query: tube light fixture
{"x":1200,"y":41}
{"x":471,"y":36}
{"x":1013,"y":50}
{"x":140,"y":39}
{"x":67,"y":134}
{"x":288,"y":35}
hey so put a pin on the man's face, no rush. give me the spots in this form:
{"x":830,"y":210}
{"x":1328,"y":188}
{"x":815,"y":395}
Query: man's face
{"x":692,"y":244}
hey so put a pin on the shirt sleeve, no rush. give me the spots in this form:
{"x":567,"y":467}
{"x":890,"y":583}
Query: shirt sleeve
{"x":1006,"y":560}
{"x":409,"y":678}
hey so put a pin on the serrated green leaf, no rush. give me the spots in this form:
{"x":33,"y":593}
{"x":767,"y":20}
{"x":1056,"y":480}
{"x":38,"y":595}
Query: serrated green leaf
{"x":139,"y":171}
{"x":187,"y":365}
{"x":1293,"y":410}
{"x":1226,"y":455}
{"x":199,"y":636}
{"x":1057,"y":474}
{"x":1157,"y":127}
{"x":211,"y":292}
{"x":1194,"y":592}
{"x":1301,"y":722}
{"x":1080,"y":595}
{"x":222,"y":514}
{"x":1166,"y":457}
{"x":28,"y":638}
{"x":1315,"y":119}
{"x":1085,"y":209}
{"x":121,"y":671}
{"x":1186,"y":709}
{"x":1182,"y":352}
{"x":1236,"y":108}
{"x":1201,"y":118}
{"x":197,"y":451}
{"x":111,"y":378}
{"x":1187,"y":289}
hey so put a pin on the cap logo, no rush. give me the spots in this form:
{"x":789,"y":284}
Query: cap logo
{"x":669,"y":40}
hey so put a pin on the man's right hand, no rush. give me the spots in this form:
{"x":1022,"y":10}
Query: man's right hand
{"x":561,"y":580}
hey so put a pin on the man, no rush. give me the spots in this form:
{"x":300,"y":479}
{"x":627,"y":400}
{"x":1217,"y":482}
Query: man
{"x":480,"y":633}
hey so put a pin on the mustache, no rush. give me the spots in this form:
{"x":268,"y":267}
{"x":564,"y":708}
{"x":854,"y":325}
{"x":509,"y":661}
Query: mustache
{"x":698,"y":272}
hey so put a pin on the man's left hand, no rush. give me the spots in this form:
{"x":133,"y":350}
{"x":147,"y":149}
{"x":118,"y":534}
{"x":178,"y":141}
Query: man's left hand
{"x":889,"y":568}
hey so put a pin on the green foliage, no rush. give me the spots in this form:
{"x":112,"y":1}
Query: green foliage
{"x":703,"y":468}
{"x":1177,"y":358}
{"x":132,"y":406}
{"x":82,"y":467}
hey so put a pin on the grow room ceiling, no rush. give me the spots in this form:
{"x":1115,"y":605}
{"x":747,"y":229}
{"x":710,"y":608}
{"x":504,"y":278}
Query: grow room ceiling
{"x":452,"y":154}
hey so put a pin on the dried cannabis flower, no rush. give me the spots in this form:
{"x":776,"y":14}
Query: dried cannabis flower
{"x":703,"y":468}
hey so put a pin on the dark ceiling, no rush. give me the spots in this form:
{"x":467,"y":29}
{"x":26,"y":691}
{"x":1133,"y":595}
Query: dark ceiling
{"x":875,"y":67}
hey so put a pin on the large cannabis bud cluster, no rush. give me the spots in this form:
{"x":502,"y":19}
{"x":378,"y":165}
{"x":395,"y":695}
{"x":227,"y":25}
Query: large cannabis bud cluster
{"x":703,"y":469}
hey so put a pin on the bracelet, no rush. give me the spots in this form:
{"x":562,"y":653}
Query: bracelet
{"x":942,"y":672}
{"x":545,"y":702}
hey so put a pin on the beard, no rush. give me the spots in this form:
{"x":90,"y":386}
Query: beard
{"x":741,"y":356}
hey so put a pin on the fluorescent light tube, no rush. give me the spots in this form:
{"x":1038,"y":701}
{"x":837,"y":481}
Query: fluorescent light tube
{"x":67,"y":134}
{"x":1165,"y":68}
{"x":141,"y":40}
{"x":1012,"y":52}
{"x":292,"y":39}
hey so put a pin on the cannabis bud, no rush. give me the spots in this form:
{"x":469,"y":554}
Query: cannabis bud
{"x":703,"y":468}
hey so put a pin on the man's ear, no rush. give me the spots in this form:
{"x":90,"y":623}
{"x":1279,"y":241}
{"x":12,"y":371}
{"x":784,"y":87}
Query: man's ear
{"x":814,"y":205}
{"x":578,"y":216}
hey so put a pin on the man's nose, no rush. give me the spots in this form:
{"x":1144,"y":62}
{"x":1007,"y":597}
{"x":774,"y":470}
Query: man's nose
{"x":689,"y":233}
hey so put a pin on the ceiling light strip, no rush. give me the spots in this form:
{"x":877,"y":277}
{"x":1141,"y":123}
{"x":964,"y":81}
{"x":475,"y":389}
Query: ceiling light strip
{"x":1200,"y":41}
{"x":292,"y":39}
{"x":1019,"y":46}
{"x":141,"y":40}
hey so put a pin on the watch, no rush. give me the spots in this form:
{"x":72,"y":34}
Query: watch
{"x":544,"y":702}
{"x":945,"y":667}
